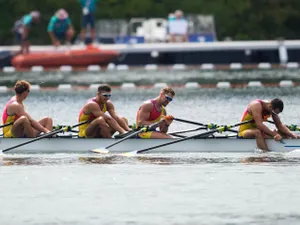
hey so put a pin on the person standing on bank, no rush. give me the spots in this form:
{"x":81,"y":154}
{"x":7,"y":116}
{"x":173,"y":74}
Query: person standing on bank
{"x":88,"y":18}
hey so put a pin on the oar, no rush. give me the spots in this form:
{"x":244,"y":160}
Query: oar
{"x":190,"y":122}
{"x":143,"y":129}
{"x":291,"y":127}
{"x":7,"y":124}
{"x":64,"y":129}
{"x":219,"y":129}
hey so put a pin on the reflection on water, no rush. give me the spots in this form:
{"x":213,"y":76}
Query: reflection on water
{"x":156,"y":159}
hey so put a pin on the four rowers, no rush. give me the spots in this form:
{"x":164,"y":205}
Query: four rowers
{"x":100,"y":124}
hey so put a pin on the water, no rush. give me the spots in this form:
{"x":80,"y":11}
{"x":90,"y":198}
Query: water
{"x":143,"y":77}
{"x":155,"y":189}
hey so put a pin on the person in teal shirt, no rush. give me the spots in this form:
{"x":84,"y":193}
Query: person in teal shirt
{"x":22,"y":29}
{"x":88,"y":17}
{"x":60,"y":28}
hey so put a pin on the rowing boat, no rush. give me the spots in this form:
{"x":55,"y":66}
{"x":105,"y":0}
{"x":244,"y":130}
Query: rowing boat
{"x":70,"y":144}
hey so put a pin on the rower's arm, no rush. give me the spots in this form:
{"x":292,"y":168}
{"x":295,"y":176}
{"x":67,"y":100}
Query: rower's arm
{"x":163,"y":127}
{"x":281,"y":127}
{"x":113,"y":114}
{"x":256,"y":110}
{"x":96,"y":111}
{"x":19,"y":110}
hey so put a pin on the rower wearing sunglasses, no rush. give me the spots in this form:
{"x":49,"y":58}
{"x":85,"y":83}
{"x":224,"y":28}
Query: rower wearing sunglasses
{"x":152,"y":111}
{"x":259,"y":111}
{"x":14,"y":112}
{"x":101,"y":124}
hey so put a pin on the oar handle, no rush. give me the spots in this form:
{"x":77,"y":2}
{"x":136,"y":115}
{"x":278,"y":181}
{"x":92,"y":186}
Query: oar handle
{"x":64,"y":129}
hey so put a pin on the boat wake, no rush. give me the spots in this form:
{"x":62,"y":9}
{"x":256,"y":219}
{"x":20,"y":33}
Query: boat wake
{"x":290,"y":158}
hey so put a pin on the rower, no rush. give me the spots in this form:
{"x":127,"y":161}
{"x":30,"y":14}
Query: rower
{"x":152,"y":111}
{"x":260,"y":111}
{"x":101,"y":125}
{"x":14,"y":111}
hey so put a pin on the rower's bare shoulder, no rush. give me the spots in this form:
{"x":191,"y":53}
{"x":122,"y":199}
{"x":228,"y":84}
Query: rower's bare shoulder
{"x":147,"y":105}
{"x":90,"y":106}
{"x":109,"y":104}
{"x":255,"y":104}
{"x":16,"y":105}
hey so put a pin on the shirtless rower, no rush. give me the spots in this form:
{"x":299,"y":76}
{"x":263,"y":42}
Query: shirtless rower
{"x":260,"y":111}
{"x":14,"y":111}
{"x":101,"y":125}
{"x":152,"y":111}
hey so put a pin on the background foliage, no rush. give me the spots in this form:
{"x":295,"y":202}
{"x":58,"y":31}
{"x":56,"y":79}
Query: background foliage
{"x":239,"y":19}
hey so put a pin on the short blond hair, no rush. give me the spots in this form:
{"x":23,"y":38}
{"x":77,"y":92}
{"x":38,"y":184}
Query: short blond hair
{"x":21,"y":86}
{"x":168,"y":90}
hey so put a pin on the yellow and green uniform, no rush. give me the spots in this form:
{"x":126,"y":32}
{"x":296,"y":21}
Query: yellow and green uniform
{"x":84,"y":117}
{"x":154,"y":117}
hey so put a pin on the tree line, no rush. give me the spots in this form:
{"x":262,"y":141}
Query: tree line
{"x":238,"y":19}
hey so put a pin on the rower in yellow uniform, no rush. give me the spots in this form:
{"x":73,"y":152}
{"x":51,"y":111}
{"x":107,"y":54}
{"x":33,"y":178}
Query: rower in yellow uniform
{"x":260,"y":111}
{"x":154,"y":110}
{"x":14,"y":111}
{"x":101,"y":124}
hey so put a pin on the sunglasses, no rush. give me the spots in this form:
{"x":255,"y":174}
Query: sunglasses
{"x":168,"y":98}
{"x":274,"y":112}
{"x":106,"y":95}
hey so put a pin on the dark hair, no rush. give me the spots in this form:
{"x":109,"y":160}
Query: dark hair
{"x":21,"y":86}
{"x":277,"y":104}
{"x":104,"y":87}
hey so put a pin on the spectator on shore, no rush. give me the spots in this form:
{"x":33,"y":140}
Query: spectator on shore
{"x":88,"y":18}
{"x":178,"y":27}
{"x":60,"y":28}
{"x":22,"y":29}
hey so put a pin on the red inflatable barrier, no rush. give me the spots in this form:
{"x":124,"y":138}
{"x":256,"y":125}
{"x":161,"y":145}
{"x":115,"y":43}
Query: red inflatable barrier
{"x":75,"y":58}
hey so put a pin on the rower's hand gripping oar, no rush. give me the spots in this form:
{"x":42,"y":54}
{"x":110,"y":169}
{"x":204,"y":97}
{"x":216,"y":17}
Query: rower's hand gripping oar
{"x":143,"y":129}
{"x":64,"y":129}
{"x":219,"y":129}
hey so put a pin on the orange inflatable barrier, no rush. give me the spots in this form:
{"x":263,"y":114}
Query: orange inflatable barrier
{"x":75,"y":58}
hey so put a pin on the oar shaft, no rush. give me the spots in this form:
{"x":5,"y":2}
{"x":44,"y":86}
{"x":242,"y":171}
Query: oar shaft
{"x":43,"y":136}
{"x":134,"y":134}
{"x":193,"y":136}
{"x":7,"y":124}
{"x":187,"y":131}
{"x":190,"y":122}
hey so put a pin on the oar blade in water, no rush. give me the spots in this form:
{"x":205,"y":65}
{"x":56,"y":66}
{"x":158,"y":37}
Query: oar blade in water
{"x":130,"y":154}
{"x":100,"y":150}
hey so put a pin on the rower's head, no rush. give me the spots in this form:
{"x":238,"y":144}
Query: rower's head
{"x":275,"y":106}
{"x":166,"y":95}
{"x":22,"y":88}
{"x":104,"y":92}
